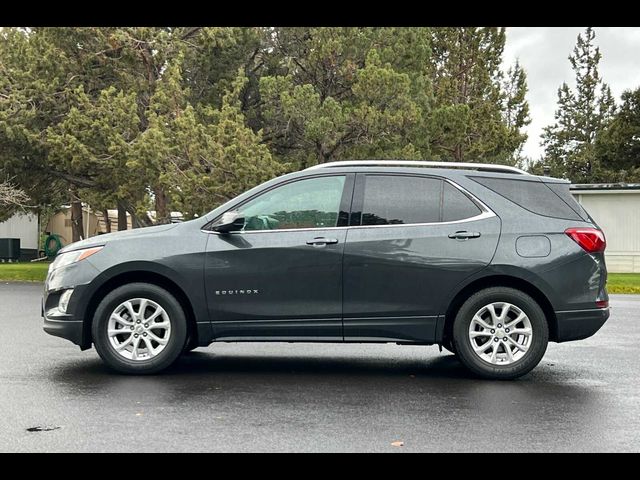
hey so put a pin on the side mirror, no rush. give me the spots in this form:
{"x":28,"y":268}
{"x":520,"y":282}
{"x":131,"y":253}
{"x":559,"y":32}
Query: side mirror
{"x":230,"y":222}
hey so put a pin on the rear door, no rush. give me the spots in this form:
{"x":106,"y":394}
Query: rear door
{"x":412,"y":239}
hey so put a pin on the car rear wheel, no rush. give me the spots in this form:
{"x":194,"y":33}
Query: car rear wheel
{"x":139,"y":328}
{"x":500,"y":333}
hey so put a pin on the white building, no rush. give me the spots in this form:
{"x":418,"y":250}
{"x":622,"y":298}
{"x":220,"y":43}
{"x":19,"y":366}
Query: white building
{"x":25,"y":227}
{"x":616,"y":209}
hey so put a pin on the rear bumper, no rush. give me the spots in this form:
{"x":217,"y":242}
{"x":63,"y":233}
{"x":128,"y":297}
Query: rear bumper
{"x":579,"y":324}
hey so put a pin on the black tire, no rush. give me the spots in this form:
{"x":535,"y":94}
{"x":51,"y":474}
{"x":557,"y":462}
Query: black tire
{"x":448,"y":346}
{"x":190,"y":346}
{"x":462,"y":343}
{"x":174,"y":346}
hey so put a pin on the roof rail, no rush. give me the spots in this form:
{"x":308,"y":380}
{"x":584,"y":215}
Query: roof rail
{"x":487,"y":167}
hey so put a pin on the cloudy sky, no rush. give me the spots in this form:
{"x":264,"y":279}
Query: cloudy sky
{"x":543,"y":53}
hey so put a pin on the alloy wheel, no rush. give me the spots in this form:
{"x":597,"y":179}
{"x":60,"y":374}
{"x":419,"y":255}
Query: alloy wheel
{"x":139,"y":329}
{"x":500,"y":333}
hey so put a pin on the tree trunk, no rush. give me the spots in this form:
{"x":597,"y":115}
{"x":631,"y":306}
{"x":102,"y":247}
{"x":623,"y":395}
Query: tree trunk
{"x":137,"y":221}
{"x":122,"y":216}
{"x":77,"y":228}
{"x":107,"y":220}
{"x":162,"y":213}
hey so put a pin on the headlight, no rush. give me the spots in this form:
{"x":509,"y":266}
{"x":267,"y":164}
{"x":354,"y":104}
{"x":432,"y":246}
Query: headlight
{"x":64,"y":259}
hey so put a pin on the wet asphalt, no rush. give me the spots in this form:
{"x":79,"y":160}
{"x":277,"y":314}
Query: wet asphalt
{"x":584,"y":396}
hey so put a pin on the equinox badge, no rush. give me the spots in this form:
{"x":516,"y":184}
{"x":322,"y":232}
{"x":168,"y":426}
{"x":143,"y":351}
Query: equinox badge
{"x":250,"y":291}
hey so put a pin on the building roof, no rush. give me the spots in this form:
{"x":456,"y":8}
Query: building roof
{"x":605,"y":186}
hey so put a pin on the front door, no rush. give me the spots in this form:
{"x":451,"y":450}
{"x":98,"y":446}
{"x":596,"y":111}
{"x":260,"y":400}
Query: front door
{"x":413,"y":239}
{"x":280,"y":278}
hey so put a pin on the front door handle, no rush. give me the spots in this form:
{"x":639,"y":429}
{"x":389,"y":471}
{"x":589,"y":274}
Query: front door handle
{"x":463,"y":235}
{"x":322,"y":241}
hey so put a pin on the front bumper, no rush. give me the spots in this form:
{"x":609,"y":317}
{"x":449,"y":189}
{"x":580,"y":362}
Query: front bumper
{"x":579,"y":324}
{"x":69,"y":325}
{"x":64,"y":328}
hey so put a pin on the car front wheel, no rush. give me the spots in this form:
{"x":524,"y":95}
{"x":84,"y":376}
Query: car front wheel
{"x":139,"y":328}
{"x":500,"y":333}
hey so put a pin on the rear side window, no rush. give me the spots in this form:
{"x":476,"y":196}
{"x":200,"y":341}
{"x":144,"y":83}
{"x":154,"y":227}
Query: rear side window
{"x":395,"y":199}
{"x":398,"y":199}
{"x":456,"y":205}
{"x":534,"y":196}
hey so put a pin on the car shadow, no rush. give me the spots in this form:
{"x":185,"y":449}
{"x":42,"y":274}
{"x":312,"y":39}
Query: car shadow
{"x":199,"y":369}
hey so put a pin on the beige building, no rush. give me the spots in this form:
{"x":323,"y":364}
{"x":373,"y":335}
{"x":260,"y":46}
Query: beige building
{"x":616,"y":209}
{"x":93,"y":222}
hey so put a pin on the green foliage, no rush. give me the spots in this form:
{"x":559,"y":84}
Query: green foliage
{"x":186,"y":118}
{"x":478,"y":114}
{"x":203,"y":156}
{"x":84,"y":109}
{"x":582,"y":113}
{"x":338,"y":95}
{"x":618,"y":144}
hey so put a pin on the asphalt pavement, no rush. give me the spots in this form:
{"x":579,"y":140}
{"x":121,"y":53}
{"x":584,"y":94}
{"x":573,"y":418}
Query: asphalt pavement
{"x":584,"y":396}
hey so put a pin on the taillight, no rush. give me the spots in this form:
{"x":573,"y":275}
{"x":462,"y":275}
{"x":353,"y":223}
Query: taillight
{"x":590,"y":239}
{"x":602,"y":303}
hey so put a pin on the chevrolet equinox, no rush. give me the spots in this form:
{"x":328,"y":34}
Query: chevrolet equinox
{"x":487,"y":261}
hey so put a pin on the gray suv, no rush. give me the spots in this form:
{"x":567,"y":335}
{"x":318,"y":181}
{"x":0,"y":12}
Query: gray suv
{"x":486,"y":261}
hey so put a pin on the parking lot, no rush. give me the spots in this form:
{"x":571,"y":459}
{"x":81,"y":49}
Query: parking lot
{"x":584,"y":396}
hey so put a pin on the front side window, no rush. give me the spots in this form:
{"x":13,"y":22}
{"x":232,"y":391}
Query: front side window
{"x":309,"y":203}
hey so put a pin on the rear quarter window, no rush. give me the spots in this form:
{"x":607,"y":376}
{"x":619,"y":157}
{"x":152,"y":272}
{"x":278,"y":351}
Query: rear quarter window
{"x":532,"y":195}
{"x":562,"y":190}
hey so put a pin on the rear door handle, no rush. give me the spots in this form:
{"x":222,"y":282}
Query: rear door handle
{"x":321,"y":241}
{"x":463,"y":235}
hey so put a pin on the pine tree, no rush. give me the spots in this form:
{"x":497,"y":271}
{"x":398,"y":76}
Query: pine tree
{"x":74,"y":103}
{"x":346,"y":93}
{"x":569,"y":143}
{"x":516,"y":113}
{"x":477,"y":114}
{"x":618,"y":144}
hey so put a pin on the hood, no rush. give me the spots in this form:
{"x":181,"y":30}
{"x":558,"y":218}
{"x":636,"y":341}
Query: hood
{"x":103,"y":239}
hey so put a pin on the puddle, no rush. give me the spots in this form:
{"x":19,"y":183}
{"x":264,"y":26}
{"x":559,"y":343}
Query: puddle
{"x":42,"y":429}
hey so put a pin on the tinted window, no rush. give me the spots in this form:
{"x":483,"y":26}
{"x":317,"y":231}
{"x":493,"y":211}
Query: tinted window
{"x":562,"y":190}
{"x":456,"y":205}
{"x":310,"y":203}
{"x":534,"y":196}
{"x":394,"y":199}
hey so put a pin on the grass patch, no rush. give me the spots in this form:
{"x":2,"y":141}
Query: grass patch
{"x":23,"y":272}
{"x":623,"y":283}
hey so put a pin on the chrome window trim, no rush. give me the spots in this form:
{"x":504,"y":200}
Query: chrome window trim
{"x":486,"y":212}
{"x":481,"y":216}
